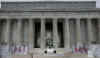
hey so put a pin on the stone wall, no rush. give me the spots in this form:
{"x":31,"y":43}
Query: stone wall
{"x":48,"y":5}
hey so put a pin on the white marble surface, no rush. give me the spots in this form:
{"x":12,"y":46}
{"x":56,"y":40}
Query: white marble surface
{"x":97,"y":1}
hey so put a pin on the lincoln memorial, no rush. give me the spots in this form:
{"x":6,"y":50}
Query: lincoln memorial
{"x":49,"y":25}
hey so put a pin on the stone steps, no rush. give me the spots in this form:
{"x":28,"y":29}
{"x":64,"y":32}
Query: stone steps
{"x":47,"y":56}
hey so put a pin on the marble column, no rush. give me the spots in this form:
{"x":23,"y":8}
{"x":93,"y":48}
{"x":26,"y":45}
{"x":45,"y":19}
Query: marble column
{"x":55,"y":34}
{"x":31,"y":34}
{"x":7,"y":31}
{"x":90,"y":32}
{"x":42,"y":44}
{"x":66,"y":34}
{"x":99,"y":30}
{"x":6,"y":39}
{"x":19,"y":24}
{"x":26,"y":31}
{"x":78,"y":31}
{"x":14,"y":31}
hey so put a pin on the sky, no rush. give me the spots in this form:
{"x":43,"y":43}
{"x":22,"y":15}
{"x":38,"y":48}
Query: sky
{"x":47,"y":0}
{"x":97,"y":1}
